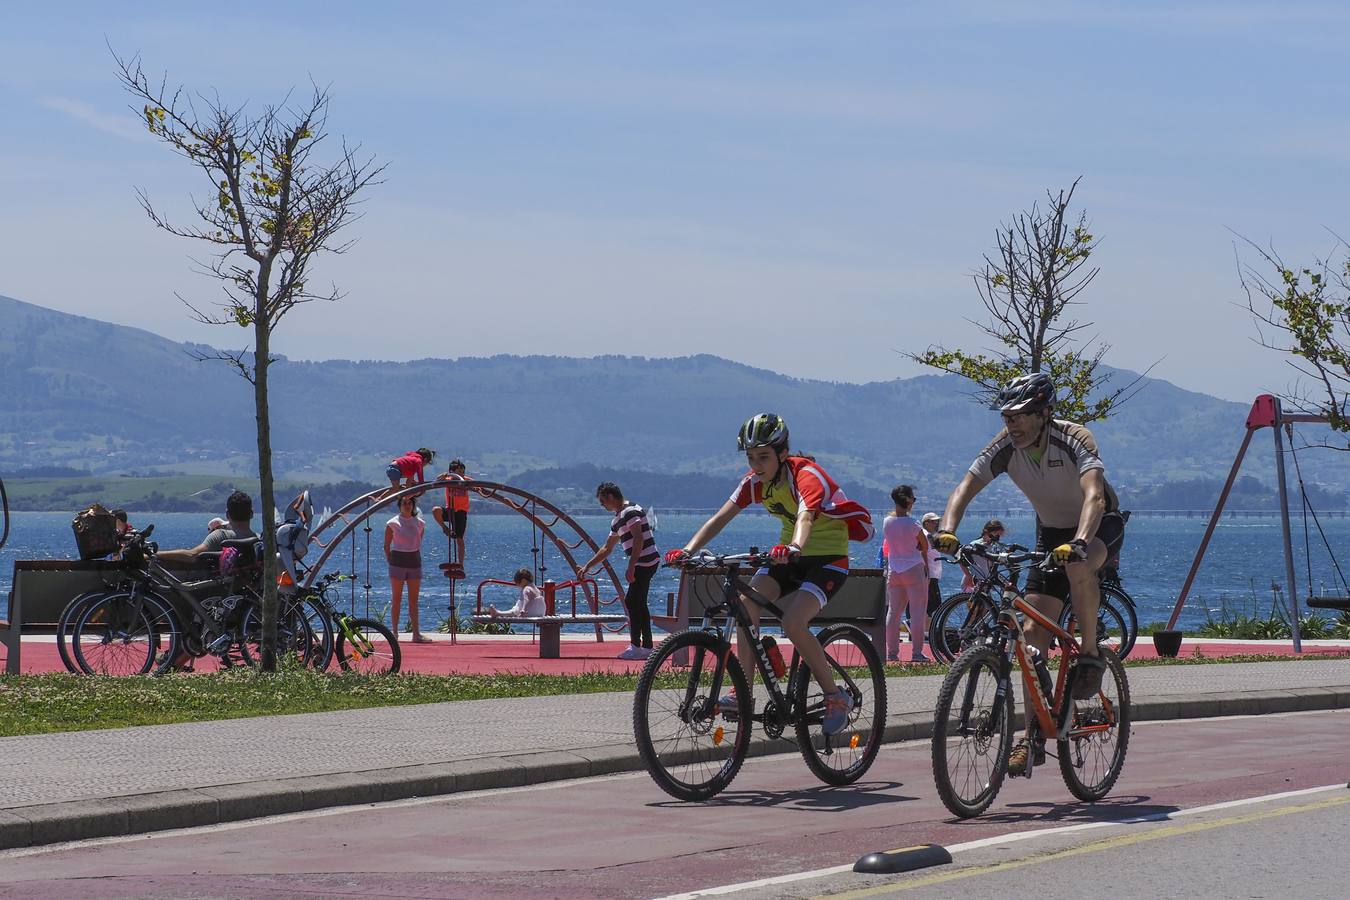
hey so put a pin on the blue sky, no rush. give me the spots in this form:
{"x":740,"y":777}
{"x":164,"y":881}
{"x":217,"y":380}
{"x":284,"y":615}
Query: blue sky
{"x":802,"y":187}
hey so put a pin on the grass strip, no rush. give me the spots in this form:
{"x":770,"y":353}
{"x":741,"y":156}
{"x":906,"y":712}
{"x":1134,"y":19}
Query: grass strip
{"x":42,"y":704}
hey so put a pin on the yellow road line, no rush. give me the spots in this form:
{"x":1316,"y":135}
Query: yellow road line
{"x":1123,"y":840}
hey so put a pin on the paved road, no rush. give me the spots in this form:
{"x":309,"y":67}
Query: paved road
{"x":618,"y":836}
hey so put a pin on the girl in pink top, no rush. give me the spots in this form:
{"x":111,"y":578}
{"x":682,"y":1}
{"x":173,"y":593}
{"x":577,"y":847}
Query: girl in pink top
{"x":403,"y":551}
{"x":409,"y":467}
{"x":907,"y":583}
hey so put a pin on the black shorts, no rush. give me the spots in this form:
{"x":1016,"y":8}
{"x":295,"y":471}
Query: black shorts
{"x":459,"y":519}
{"x":934,"y":595}
{"x":1111,"y":532}
{"x":820,"y":576}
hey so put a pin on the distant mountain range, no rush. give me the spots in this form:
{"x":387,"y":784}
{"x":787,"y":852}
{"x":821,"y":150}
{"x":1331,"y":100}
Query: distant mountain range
{"x":92,"y":395}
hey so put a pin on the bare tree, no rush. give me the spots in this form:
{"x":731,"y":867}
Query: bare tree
{"x":1039,"y":270}
{"x":1304,"y":312}
{"x":273,"y":206}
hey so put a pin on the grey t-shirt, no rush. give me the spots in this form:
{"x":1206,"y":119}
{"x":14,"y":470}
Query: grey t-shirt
{"x":1053,"y":484}
{"x":228,"y":533}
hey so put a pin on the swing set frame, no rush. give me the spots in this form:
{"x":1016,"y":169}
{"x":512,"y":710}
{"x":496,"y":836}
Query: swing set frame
{"x":1266,"y":412}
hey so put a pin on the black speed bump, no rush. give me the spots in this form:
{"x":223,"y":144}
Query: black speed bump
{"x":906,"y":859}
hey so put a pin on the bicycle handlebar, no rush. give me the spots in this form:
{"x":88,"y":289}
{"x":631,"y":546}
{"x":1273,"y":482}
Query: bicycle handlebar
{"x":706,"y":559}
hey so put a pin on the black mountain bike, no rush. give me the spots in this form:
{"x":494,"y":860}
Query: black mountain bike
{"x":969,"y":617}
{"x":693,"y":746}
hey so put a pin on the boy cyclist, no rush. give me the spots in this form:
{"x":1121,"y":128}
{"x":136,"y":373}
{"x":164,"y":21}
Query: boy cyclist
{"x":810,"y":562}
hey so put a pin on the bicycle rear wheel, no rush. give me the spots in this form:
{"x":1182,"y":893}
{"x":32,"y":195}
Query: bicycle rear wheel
{"x":962,"y":621}
{"x":1092,"y":756}
{"x":842,"y":758}
{"x":295,"y":637}
{"x":114,"y":636}
{"x":375,"y":650}
{"x":691,"y":748}
{"x":972,"y":733}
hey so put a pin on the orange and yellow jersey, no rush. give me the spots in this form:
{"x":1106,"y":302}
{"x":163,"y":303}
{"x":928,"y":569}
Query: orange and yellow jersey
{"x":807,"y":485}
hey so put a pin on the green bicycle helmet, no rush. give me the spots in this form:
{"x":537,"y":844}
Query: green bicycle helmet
{"x":763,"y":430}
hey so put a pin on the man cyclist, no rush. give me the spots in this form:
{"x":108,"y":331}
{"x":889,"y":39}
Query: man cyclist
{"x":810,"y":562}
{"x":1056,"y":465}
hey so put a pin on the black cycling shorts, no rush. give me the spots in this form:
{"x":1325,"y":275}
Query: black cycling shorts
{"x":1111,"y":532}
{"x":820,"y":576}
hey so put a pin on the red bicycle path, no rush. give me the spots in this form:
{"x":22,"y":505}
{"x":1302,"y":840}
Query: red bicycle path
{"x":619,"y":836}
{"x":485,"y":656}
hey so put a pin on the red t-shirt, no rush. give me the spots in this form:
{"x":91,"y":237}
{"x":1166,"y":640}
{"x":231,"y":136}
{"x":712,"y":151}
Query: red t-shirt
{"x":411,"y":465}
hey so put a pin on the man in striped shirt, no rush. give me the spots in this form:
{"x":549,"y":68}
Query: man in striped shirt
{"x":630,"y":526}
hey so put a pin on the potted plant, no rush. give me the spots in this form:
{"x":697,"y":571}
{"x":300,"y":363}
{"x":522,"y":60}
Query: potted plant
{"x":1167,"y":642}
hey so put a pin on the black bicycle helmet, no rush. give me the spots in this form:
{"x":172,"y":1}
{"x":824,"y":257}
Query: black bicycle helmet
{"x":763,"y":430}
{"x":1026,"y":394}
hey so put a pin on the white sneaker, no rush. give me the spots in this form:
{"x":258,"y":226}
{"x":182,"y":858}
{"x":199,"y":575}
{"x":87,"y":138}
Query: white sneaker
{"x":633,"y":653}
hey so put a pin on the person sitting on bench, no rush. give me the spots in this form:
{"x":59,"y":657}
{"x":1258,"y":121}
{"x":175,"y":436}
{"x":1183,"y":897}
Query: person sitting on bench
{"x":239,"y":510}
{"x":531,"y":601}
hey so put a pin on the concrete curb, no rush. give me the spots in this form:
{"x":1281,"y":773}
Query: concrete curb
{"x":51,"y":823}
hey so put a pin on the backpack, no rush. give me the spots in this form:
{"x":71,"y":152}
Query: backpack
{"x":95,"y":532}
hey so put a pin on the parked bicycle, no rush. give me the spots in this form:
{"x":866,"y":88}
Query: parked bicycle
{"x":155,"y":622}
{"x":358,"y":644}
{"x":693,"y":746}
{"x":974,"y":721}
{"x":969,"y":617}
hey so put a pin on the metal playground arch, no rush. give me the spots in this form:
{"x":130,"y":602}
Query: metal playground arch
{"x":342,"y":526}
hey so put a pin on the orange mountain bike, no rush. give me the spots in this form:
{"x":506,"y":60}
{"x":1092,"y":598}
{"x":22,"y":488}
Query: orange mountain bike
{"x":974,"y":721}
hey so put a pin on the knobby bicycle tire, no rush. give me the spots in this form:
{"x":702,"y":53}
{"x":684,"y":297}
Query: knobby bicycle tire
{"x":843,"y":758}
{"x":1091,"y":762}
{"x":966,"y":787}
{"x":386,"y":661}
{"x":690,"y":752}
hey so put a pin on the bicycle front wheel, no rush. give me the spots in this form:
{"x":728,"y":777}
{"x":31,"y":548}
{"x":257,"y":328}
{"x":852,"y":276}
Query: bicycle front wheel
{"x":1117,"y":624}
{"x":842,"y":758}
{"x":962,"y":621}
{"x":1093,"y":754}
{"x":65,"y":626}
{"x":114,"y":636}
{"x":691,"y":745}
{"x":972,"y":733}
{"x":373,"y":649}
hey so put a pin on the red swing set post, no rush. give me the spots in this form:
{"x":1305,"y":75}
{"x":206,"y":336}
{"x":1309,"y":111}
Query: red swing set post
{"x":1266,"y":412}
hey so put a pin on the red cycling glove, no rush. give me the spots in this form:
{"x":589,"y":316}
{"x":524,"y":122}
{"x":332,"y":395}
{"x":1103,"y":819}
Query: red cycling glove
{"x":674,"y":556}
{"x":782,"y":553}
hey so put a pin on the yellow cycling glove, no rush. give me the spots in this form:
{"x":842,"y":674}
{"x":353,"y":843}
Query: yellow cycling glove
{"x":946,"y":542}
{"x":1073,"y":551}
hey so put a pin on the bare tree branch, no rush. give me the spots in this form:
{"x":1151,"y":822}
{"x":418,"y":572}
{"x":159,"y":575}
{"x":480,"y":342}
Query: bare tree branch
{"x":275,"y":204}
{"x":1039,"y":269}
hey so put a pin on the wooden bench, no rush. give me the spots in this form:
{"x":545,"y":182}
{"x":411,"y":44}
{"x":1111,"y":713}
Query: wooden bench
{"x":861,"y":601}
{"x":550,"y":627}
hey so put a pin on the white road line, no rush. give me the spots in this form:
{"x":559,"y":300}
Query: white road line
{"x":724,"y":889}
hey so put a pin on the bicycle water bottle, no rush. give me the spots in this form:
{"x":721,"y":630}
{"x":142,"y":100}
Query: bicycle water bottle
{"x":1043,"y":675}
{"x":775,"y":656}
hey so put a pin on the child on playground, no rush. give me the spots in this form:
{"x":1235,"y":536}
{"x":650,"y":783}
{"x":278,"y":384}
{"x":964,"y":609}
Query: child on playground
{"x":531,"y":600}
{"x":810,"y":562}
{"x":409,"y":468}
{"x":454,"y":516}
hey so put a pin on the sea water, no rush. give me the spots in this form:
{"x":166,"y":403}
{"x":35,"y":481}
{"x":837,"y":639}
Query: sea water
{"x":1245,"y":556}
